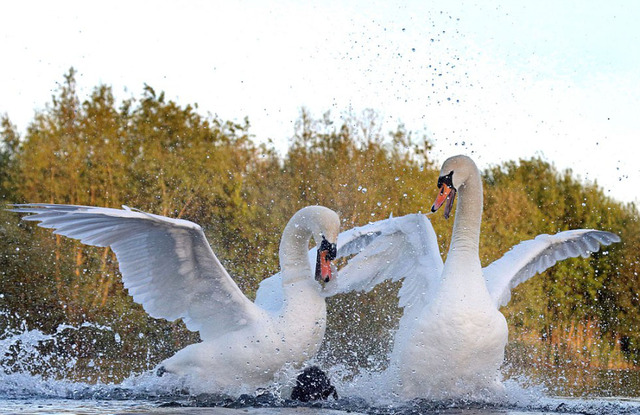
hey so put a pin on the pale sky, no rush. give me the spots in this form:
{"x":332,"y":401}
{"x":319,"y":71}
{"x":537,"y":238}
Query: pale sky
{"x":497,"y":80}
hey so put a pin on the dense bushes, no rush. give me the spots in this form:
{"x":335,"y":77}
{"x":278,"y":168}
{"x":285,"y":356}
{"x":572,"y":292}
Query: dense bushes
{"x":155,"y":155}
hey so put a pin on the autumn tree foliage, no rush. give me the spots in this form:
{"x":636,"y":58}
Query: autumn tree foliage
{"x":156,"y":155}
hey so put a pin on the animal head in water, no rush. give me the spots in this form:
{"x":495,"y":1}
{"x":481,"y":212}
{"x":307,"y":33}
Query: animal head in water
{"x":312,"y":385}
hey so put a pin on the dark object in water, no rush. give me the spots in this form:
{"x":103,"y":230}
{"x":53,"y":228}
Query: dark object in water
{"x":172,"y":404}
{"x":312,"y":385}
{"x":161,"y":371}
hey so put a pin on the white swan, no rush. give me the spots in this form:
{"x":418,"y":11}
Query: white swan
{"x":169,"y":268}
{"x":451,"y":338}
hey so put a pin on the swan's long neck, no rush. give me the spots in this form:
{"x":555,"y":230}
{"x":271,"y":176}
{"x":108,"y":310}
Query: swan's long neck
{"x":462,"y":273}
{"x":303,"y":306}
{"x":294,"y":247}
{"x":465,"y":239}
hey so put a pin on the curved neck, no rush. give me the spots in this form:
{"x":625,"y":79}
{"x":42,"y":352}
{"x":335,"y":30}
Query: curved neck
{"x":294,"y":257}
{"x":465,"y":239}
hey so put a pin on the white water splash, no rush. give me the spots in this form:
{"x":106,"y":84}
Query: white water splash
{"x":30,"y":372}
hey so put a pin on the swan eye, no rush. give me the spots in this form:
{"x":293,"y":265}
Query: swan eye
{"x":329,"y":248}
{"x":446,"y":179}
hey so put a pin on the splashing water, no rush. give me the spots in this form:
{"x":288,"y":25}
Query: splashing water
{"x":38,"y":372}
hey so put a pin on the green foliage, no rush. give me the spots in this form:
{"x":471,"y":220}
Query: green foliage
{"x":355,"y":169}
{"x":530,"y":197}
{"x":156,"y":155}
{"x":9,"y":142}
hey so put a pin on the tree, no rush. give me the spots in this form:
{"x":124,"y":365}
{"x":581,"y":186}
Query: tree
{"x":162,"y":157}
{"x":9,"y":141}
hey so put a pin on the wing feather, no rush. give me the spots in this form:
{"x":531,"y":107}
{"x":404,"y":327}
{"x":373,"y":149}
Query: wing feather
{"x":531,"y":257}
{"x":403,"y":248}
{"x":167,"y":265}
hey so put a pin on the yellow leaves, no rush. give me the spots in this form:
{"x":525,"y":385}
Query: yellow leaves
{"x":156,"y":155}
{"x":509,"y":217}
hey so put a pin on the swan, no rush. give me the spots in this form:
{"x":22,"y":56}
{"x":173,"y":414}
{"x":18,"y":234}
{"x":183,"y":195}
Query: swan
{"x":168,"y":267}
{"x":451,"y":338}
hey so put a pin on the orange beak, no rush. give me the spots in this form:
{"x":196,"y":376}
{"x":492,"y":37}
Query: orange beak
{"x":326,"y":253}
{"x":323,"y":267}
{"x":447,"y":194}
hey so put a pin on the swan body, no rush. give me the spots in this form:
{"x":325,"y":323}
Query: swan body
{"x":169,"y":268}
{"x":451,"y":338}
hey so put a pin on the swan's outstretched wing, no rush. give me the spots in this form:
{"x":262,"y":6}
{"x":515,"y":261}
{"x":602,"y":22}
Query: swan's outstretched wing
{"x":530,"y":257}
{"x":167,"y":264}
{"x":396,"y":248}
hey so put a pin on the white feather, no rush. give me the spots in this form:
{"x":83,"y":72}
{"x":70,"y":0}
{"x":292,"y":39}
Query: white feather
{"x":531,"y":257}
{"x":451,"y":338}
{"x":169,"y":268}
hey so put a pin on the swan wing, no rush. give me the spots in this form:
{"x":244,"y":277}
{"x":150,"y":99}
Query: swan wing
{"x":167,"y":265}
{"x":392,"y":249}
{"x":530,"y":257}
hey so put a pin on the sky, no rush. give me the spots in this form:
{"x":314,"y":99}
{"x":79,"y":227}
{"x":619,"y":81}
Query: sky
{"x":496,"y":80}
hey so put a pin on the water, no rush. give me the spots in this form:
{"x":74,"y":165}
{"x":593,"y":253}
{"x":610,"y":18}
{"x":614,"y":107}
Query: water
{"x":36,"y":380}
{"x":22,"y":393}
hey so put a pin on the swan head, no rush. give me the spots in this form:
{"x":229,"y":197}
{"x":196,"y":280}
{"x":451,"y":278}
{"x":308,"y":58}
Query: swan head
{"x":321,"y":224}
{"x":454,"y":173}
{"x":325,"y":226}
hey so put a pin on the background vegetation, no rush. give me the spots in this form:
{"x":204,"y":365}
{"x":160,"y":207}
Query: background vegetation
{"x":156,"y":155}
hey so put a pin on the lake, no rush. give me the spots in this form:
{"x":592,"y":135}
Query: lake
{"x":35,"y":382}
{"x":22,"y":393}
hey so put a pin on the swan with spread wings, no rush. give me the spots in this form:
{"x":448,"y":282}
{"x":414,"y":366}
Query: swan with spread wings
{"x":168,"y":267}
{"x":451,"y":338}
